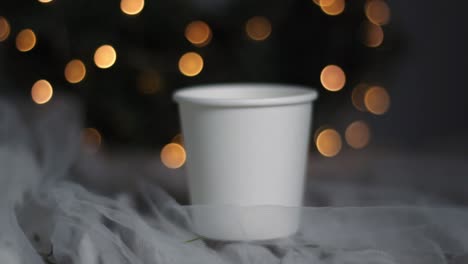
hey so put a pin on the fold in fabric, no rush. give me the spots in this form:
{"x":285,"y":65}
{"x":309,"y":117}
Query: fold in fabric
{"x":87,"y":228}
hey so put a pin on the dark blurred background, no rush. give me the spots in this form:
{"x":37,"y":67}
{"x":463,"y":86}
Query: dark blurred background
{"x":390,"y":74}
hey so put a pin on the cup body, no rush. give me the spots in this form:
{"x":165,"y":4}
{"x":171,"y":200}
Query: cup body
{"x":246,"y":146}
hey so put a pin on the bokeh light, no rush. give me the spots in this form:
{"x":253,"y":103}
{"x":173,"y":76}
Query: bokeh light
{"x":377,"y":11}
{"x":198,"y":33}
{"x":25,"y":40}
{"x":190,"y":64}
{"x":377,"y":100}
{"x":132,"y":7}
{"x":357,"y":96}
{"x":357,"y":134}
{"x":173,"y":155}
{"x":333,"y":78}
{"x":328,"y":142}
{"x":75,"y":71}
{"x":45,"y":1}
{"x":179,"y":139}
{"x":372,"y":35}
{"x":332,"y":9}
{"x":258,"y":28}
{"x":4,"y":29}
{"x":319,"y":130}
{"x":41,"y":92}
{"x":149,"y":82}
{"x":105,"y":56}
{"x":91,"y":139}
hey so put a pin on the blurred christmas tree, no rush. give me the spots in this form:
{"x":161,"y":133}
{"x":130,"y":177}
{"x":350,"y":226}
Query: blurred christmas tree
{"x":124,"y":61}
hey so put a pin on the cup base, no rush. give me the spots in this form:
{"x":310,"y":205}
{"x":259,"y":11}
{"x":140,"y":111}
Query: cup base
{"x":245,"y":223}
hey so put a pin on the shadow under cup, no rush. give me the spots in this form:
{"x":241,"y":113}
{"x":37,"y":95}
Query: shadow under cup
{"x":246,"y":146}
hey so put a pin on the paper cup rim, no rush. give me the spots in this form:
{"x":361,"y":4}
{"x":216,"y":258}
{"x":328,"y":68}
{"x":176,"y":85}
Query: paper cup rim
{"x":245,"y":94}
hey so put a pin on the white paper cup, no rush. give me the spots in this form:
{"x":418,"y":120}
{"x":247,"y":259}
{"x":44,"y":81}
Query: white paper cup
{"x":246,"y":147}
